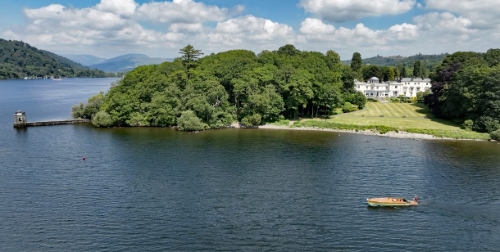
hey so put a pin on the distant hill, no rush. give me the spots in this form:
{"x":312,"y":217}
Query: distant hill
{"x":84,"y":59}
{"x":127,"y":62}
{"x":18,"y":60}
{"x":378,"y":60}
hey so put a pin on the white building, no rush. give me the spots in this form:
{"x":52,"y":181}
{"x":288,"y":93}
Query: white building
{"x":406,"y":86}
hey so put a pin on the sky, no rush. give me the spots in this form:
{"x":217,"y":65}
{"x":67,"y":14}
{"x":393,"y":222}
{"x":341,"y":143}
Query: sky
{"x":109,"y":28}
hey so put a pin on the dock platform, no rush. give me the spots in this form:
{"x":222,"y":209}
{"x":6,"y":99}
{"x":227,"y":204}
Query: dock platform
{"x":21,"y":122}
{"x":51,"y":123}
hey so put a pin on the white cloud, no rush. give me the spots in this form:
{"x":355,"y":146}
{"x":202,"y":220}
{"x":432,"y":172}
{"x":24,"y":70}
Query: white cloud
{"x":159,"y":29}
{"x":181,"y":27}
{"x":113,"y":26}
{"x":101,"y":28}
{"x":345,"y":10}
{"x":430,"y":33}
{"x":315,"y":26}
{"x":483,"y":14}
{"x":254,"y":28}
{"x":314,"y":30}
{"x":443,"y":23}
{"x":184,"y":11}
{"x":120,"y":7}
{"x":404,"y":31}
{"x":465,"y":6}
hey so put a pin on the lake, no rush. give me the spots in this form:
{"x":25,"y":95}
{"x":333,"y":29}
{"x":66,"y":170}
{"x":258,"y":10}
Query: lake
{"x":156,"y":189}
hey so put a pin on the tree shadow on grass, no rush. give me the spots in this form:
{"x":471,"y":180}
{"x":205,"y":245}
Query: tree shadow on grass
{"x":424,"y":110}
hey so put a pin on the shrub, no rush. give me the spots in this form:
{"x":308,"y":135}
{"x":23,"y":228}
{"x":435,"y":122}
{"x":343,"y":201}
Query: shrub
{"x":87,"y":111}
{"x":421,"y":96}
{"x":188,"y":121}
{"x":467,"y":125}
{"x":495,"y":135}
{"x":348,"y":107}
{"x":485,"y":124}
{"x":220,"y":120}
{"x":372,"y":100}
{"x":253,"y":120}
{"x":93,"y":105}
{"x":137,"y":119}
{"x":77,"y":111}
{"x":357,"y":98}
{"x":102,"y":119}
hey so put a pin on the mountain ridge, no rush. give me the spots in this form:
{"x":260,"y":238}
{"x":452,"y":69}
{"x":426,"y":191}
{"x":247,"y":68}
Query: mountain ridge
{"x":21,"y":60}
{"x":120,"y":63}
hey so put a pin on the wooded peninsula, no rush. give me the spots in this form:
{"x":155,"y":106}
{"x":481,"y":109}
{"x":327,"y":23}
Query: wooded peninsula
{"x":195,"y":93}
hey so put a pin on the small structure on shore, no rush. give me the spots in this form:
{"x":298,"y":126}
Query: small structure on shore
{"x":19,"y":119}
{"x":21,"y":122}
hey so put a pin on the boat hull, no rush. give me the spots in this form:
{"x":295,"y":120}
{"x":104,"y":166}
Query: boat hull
{"x":379,"y":204}
{"x":390,"y":202}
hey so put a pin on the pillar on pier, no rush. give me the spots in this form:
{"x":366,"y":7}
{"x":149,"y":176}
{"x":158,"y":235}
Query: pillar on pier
{"x":19,"y":119}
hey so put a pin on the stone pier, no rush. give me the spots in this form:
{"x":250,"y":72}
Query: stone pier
{"x":21,"y":122}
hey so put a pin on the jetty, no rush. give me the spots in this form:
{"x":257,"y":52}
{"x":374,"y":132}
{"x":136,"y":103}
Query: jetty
{"x":21,"y":122}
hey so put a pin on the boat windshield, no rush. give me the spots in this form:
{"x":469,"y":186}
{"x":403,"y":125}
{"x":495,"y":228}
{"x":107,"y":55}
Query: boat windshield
{"x":405,"y":200}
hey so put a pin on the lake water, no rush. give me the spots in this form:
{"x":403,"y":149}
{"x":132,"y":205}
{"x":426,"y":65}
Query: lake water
{"x":156,"y":189}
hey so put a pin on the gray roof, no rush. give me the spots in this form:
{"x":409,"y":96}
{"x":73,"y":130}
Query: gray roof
{"x":415,"y":80}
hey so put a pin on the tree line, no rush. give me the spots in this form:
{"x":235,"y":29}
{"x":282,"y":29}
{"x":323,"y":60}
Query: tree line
{"x":364,"y":71}
{"x":196,"y":93}
{"x":19,"y":60}
{"x":466,"y":89}
{"x":405,"y":65}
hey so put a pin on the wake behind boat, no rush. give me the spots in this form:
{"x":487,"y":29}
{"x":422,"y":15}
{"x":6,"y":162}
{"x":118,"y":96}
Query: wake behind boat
{"x":392,"y":202}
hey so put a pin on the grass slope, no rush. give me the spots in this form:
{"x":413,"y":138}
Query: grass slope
{"x":383,"y":117}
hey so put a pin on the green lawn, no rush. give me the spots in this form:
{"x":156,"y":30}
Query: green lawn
{"x":408,"y":117}
{"x":398,"y":115}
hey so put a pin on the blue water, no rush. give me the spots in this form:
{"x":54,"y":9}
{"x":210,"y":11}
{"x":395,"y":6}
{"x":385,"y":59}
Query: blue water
{"x":156,"y":189}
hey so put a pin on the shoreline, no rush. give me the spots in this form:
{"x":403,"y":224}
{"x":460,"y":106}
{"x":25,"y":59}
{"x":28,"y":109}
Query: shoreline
{"x":391,"y":134}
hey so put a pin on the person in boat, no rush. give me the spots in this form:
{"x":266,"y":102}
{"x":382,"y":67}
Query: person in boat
{"x":415,"y":199}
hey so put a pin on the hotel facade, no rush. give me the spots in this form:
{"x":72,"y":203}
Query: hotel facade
{"x":408,"y":87}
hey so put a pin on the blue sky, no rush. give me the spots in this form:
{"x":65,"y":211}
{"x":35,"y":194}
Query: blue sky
{"x":108,"y":28}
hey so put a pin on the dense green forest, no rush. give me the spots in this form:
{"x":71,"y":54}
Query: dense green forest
{"x":466,"y":88}
{"x":196,"y":93}
{"x":19,"y":60}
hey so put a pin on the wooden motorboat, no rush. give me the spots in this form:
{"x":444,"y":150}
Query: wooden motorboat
{"x":392,"y":202}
